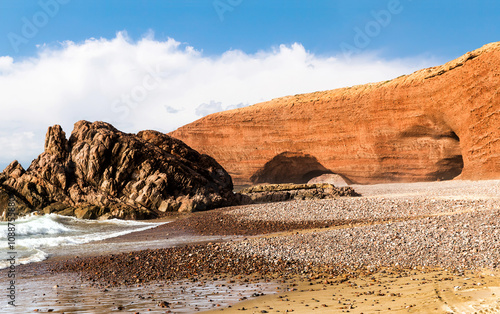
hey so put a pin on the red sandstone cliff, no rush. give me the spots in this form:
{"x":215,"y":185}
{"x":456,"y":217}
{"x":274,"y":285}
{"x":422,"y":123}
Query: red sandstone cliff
{"x":434,"y":124}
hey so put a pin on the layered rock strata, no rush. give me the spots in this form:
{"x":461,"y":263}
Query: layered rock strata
{"x":435,"y":124}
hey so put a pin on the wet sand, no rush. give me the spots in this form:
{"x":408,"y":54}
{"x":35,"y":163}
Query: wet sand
{"x":67,"y":293}
{"x":387,"y":290}
{"x":355,"y":275}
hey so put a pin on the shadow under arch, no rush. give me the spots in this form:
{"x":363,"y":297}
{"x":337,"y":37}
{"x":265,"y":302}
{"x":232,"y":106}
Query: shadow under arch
{"x":450,"y":163}
{"x":289,"y":167}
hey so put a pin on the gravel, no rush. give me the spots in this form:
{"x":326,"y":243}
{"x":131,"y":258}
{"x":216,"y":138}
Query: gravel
{"x":383,"y":201}
{"x":461,"y":227}
{"x":453,"y":225}
{"x":363,"y":208}
{"x":200,"y":262}
{"x":467,"y":240}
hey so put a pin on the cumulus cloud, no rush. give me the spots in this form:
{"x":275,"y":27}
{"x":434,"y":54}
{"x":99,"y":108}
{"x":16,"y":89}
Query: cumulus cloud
{"x":162,"y":85}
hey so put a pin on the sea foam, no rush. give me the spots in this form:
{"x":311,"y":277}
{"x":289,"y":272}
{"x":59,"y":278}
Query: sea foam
{"x":34,"y":233}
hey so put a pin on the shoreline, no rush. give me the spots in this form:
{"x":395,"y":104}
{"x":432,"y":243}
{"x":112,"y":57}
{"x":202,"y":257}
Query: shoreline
{"x":273,"y":243}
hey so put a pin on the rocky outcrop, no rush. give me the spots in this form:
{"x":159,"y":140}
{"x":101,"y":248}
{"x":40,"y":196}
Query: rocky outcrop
{"x":101,"y":172}
{"x":270,"y":193}
{"x":435,"y":124}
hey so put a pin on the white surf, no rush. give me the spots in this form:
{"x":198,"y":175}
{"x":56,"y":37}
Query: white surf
{"x":35,"y":233}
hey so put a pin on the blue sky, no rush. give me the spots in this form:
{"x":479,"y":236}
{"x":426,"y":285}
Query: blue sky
{"x":442,"y":28}
{"x":161,"y":64}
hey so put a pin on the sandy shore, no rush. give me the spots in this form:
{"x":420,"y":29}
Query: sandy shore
{"x":386,"y":290}
{"x":422,"y":248}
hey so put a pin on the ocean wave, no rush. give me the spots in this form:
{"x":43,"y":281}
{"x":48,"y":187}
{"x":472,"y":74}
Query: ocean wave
{"x":24,"y":257}
{"x":53,"y":224}
{"x":33,"y":225}
{"x":33,"y":233}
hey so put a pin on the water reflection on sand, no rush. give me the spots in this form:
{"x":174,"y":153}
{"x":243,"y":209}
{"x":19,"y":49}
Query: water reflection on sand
{"x":66,"y":293}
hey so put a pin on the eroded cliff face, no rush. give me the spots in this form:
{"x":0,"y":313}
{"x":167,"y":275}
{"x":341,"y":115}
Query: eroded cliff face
{"x":102,"y":172}
{"x":435,"y":124}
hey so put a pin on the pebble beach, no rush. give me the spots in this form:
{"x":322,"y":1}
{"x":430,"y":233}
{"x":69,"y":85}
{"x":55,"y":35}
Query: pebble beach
{"x":401,"y":231}
{"x":413,"y":225}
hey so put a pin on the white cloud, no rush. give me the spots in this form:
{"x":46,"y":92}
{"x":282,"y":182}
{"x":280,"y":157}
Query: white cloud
{"x":206,"y":109}
{"x":14,"y":145}
{"x":159,"y":85}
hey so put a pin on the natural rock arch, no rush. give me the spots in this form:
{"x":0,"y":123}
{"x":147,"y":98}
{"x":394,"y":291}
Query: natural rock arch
{"x":435,"y":124}
{"x":289,"y":167}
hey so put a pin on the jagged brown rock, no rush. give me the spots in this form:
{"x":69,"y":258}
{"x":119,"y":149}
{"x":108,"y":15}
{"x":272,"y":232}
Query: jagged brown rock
{"x":101,"y":172}
{"x":434,"y":124}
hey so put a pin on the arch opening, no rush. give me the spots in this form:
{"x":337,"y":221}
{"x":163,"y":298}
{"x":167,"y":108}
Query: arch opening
{"x":289,"y":167}
{"x":436,"y":150}
{"x":452,"y":165}
{"x":449,"y":168}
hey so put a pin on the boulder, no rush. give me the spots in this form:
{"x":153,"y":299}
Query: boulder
{"x":330,"y":178}
{"x":14,"y":170}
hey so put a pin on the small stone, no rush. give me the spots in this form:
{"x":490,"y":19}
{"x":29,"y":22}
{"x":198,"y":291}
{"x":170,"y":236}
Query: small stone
{"x":163,"y":304}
